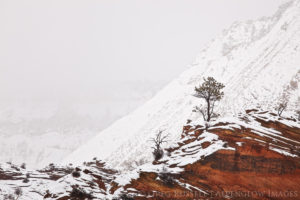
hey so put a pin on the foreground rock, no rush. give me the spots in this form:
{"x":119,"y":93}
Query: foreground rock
{"x":252,"y":156}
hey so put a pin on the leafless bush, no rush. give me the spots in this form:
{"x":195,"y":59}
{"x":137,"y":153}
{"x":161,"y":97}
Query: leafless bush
{"x":282,"y":103}
{"x":159,"y":139}
{"x":158,"y":154}
{"x":18,"y":192}
{"x":281,"y":107}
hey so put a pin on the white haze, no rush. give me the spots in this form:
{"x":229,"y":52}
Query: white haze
{"x":74,"y":48}
{"x":70,"y":68}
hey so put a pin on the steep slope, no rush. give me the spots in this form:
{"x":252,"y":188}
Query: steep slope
{"x":255,"y":155}
{"x":42,"y":131}
{"x":258,"y":61}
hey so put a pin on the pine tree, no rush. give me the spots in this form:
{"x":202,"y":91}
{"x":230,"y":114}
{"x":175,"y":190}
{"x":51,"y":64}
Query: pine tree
{"x":211,"y":91}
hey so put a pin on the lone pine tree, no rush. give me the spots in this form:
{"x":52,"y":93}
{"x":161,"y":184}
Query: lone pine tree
{"x":211,"y":91}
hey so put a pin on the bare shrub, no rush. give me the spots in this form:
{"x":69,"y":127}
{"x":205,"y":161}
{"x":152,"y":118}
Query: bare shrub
{"x":159,"y":139}
{"x":79,"y":194}
{"x":281,"y":107}
{"x":158,"y":154}
{"x":18,"y":192}
{"x":282,"y":103}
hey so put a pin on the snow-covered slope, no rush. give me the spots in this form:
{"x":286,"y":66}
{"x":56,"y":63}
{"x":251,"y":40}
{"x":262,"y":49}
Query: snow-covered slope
{"x":39,"y":132}
{"x":258,"y":61}
{"x":256,"y":143}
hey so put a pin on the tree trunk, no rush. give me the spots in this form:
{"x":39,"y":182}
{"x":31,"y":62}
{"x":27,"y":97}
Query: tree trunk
{"x":208,"y":110}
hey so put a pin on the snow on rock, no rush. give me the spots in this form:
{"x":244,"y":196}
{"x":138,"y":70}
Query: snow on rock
{"x":261,"y":138}
{"x":258,"y":61}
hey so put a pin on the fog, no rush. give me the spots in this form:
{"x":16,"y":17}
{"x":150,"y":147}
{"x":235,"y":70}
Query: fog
{"x":70,"y":49}
{"x":69,"y":68}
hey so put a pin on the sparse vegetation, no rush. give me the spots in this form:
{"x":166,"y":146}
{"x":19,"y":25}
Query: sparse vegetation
{"x":18,"y":192}
{"x":298,"y":113}
{"x":25,"y":180}
{"x":77,"y":169}
{"x":281,"y":107}
{"x":159,"y":139}
{"x":166,"y":178}
{"x":282,"y":104}
{"x":211,"y":92}
{"x":76,"y":174}
{"x":51,"y":166}
{"x":79,"y":194}
{"x":124,"y":197}
{"x":158,"y":154}
{"x":23,"y":166}
{"x":9,"y":197}
{"x":15,"y":167}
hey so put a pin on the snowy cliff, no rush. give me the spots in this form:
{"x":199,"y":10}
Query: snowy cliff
{"x":258,"y":61}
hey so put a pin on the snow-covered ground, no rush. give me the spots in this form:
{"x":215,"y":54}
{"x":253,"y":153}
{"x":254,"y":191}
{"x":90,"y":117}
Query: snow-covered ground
{"x":226,"y":133}
{"x":43,"y":132}
{"x":258,"y":61}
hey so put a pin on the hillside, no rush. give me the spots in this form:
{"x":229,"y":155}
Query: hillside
{"x":258,"y":61}
{"x":39,"y":132}
{"x":255,"y":154}
{"x":248,"y":152}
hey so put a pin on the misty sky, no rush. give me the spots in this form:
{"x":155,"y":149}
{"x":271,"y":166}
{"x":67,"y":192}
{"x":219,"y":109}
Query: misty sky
{"x":67,"y":46}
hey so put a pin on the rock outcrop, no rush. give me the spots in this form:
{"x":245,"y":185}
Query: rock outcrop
{"x":255,"y":155}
